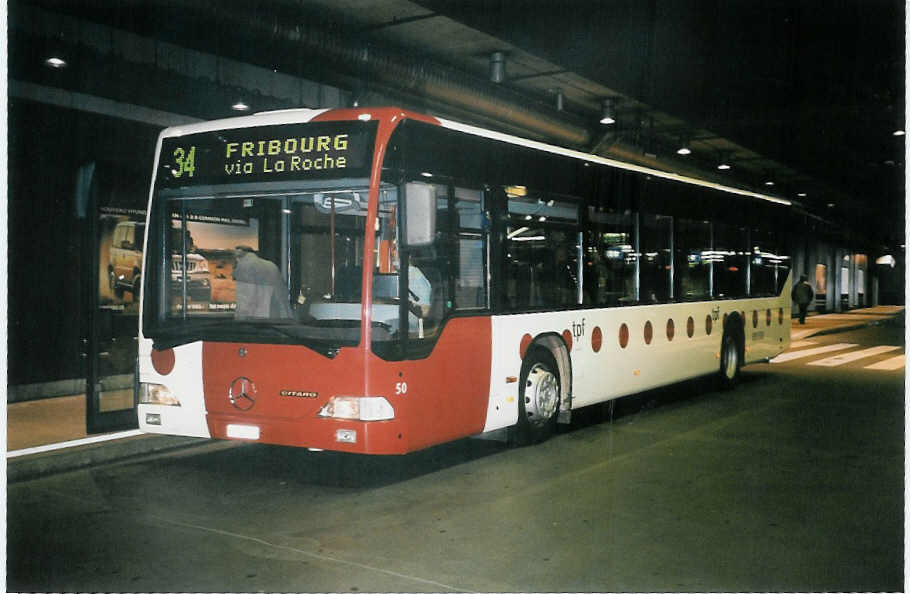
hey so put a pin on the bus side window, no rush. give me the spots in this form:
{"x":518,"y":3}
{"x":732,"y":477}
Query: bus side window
{"x":468,"y":249}
{"x":656,"y":232}
{"x":731,"y":260}
{"x":769,"y":262}
{"x":428,"y":271}
{"x":694,"y":259}
{"x":541,"y":250}
{"x":609,"y":266}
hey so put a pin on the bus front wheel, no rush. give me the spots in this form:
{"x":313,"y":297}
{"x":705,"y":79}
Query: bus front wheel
{"x":539,"y":395}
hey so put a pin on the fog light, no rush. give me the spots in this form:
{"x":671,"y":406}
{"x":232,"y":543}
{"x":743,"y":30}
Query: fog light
{"x":157,"y":394}
{"x":358,"y":408}
{"x":346,"y":436}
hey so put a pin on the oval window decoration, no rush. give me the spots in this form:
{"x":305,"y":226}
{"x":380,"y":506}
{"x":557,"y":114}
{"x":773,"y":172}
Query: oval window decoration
{"x":597,"y":339}
{"x":567,"y":336}
{"x":755,"y":318}
{"x":768,"y":318}
{"x":780,"y":316}
{"x":163,"y":361}
{"x":525,"y":343}
{"x":671,"y":329}
{"x":690,"y":327}
{"x":709,"y":324}
{"x":623,"y":336}
{"x":649,"y":332}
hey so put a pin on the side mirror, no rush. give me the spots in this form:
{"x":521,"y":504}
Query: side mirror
{"x":419,"y":216}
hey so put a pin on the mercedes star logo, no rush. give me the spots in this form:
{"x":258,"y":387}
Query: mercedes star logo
{"x":242,"y":393}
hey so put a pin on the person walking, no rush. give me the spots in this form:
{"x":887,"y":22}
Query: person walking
{"x":802,"y":294}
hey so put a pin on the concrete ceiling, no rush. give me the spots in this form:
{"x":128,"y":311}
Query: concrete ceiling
{"x":805,"y":93}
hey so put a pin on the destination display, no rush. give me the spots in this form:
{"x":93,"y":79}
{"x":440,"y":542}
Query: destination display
{"x":268,"y":153}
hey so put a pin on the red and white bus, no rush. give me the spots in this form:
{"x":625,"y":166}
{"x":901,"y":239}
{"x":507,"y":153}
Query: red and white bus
{"x":380,"y":281}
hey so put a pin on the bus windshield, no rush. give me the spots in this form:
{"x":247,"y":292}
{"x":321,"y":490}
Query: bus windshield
{"x":280,"y":265}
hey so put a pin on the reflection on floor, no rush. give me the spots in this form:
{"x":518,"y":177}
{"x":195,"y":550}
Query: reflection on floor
{"x":52,"y":420}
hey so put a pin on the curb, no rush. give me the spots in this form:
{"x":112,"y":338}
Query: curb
{"x":46,"y":463}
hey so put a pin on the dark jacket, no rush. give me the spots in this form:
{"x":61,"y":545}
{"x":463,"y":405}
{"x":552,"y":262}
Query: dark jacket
{"x":802,"y":293}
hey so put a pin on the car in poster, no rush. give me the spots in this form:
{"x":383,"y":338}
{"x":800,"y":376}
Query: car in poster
{"x":125,"y":266}
{"x":198,"y":286}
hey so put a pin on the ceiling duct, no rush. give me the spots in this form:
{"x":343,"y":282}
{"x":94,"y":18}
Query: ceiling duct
{"x":394,"y":69}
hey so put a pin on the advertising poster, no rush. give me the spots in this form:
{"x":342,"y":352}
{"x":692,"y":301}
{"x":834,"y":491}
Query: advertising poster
{"x":120,"y":258}
{"x":210,"y":256}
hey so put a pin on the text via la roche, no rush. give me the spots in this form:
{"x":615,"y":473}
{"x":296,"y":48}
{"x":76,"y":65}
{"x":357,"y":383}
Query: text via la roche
{"x":292,"y":163}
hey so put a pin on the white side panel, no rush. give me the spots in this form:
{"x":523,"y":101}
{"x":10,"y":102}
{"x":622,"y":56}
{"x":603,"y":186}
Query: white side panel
{"x":614,"y":370}
{"x":186,"y":382}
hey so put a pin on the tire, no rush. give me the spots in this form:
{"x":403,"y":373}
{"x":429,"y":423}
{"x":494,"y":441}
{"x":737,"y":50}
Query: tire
{"x":539,"y":397}
{"x":730,"y":360}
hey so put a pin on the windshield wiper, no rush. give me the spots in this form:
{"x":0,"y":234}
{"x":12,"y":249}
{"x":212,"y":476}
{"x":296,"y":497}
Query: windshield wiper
{"x":239,"y":330}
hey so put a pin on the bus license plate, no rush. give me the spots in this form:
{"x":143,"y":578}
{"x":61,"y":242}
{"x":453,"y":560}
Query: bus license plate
{"x":243,"y":431}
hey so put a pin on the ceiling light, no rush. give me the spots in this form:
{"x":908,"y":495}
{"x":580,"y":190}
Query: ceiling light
{"x":683,"y":145}
{"x":608,"y":112}
{"x":560,"y":99}
{"x":55,"y":62}
{"x":899,"y":132}
{"x":769,"y":183}
{"x":724,"y":166}
{"x":886,"y":260}
{"x":497,"y":67}
{"x":240,"y":106}
{"x":802,"y":194}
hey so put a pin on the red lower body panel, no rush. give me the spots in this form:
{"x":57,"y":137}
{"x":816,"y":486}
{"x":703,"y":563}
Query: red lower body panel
{"x":436,"y":399}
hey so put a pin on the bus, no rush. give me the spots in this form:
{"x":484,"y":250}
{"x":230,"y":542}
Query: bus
{"x":381,"y":281}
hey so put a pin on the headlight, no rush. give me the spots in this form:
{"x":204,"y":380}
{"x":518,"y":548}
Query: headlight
{"x":157,"y":394}
{"x":358,"y":408}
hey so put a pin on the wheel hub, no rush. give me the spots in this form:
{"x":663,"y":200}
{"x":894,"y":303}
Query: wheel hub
{"x":541,"y":395}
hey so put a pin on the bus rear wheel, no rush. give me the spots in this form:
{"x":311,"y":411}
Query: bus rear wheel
{"x":730,"y":361}
{"x":539,"y":396}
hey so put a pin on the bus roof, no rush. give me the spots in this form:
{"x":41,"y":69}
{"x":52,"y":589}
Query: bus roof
{"x":298,"y":116}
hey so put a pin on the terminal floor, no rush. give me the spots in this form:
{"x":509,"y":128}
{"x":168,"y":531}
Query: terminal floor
{"x":792,"y":482}
{"x":54,"y":420}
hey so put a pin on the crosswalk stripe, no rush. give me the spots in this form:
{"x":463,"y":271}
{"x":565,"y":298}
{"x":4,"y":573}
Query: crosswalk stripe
{"x":801,"y":343}
{"x":789,"y":356}
{"x":797,"y":334}
{"x":853,"y":356}
{"x":888,"y":364}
